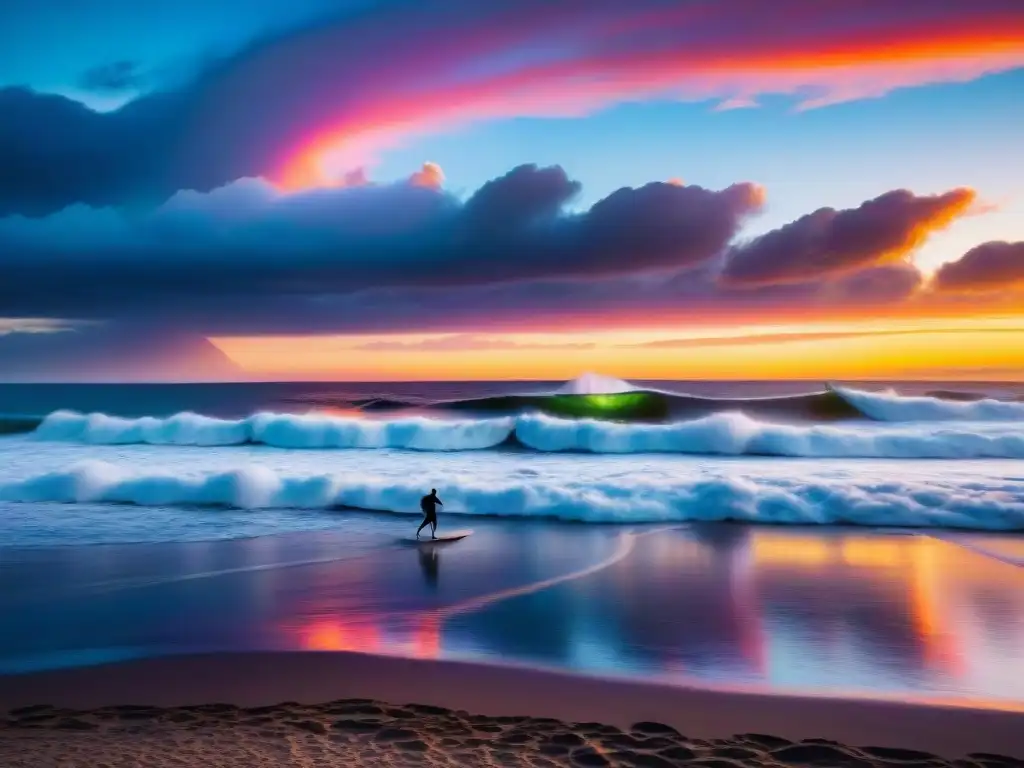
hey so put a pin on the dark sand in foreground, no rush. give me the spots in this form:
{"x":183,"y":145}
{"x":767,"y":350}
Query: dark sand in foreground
{"x":225,"y":710}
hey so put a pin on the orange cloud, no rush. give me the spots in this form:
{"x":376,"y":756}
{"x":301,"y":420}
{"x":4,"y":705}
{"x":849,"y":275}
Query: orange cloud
{"x":838,"y":63}
{"x":430,"y":176}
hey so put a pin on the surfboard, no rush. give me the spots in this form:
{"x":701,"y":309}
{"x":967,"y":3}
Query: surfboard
{"x":442,"y":538}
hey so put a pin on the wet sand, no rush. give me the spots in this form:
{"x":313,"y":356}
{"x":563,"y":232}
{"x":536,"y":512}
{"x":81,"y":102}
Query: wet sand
{"x":347,"y":709}
{"x":837,"y":612}
{"x":712,"y":631}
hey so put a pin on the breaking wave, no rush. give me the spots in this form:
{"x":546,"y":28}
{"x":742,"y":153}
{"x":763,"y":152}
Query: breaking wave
{"x":890,"y":406}
{"x":485,"y":422}
{"x":988,"y":505}
{"x":278,"y":430}
{"x":722,"y":434}
{"x":829,"y":405}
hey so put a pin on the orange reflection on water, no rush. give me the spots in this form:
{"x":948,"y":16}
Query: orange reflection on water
{"x":908,"y":608}
{"x":791,"y":550}
{"x":331,"y":635}
{"x":934,"y":574}
{"x":873,"y":553}
{"x":427,"y":638}
{"x":424,"y":639}
{"x":348,"y":412}
{"x":903,"y":562}
{"x":930,"y":614}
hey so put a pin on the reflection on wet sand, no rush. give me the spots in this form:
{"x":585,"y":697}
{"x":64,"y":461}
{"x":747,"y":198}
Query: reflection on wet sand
{"x":333,"y":636}
{"x":942,"y":608}
{"x":855,"y":612}
{"x":430,"y":564}
{"x":848,"y":612}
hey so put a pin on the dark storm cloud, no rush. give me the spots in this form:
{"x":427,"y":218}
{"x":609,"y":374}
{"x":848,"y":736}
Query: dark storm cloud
{"x":991,"y":266}
{"x":405,"y":257}
{"x":246,"y":241}
{"x":828,"y":242}
{"x":541,"y":305}
{"x":55,"y":152}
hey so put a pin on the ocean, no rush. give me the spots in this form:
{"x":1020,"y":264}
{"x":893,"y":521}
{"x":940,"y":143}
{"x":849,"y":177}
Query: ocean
{"x":877,"y":551}
{"x":105,"y":464}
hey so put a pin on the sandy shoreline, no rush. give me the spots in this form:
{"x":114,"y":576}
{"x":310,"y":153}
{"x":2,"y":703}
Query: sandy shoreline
{"x":558,"y":598}
{"x":708,"y":720}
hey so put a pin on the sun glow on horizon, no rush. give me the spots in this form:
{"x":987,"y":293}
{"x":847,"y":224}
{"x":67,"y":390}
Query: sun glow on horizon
{"x":972,"y":349}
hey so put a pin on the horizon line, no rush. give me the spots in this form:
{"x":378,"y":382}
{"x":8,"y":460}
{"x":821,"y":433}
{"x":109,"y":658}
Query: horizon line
{"x":225,"y":382}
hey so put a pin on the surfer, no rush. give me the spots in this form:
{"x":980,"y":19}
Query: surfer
{"x":429,"y":506}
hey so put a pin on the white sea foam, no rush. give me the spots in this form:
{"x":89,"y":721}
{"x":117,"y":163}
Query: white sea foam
{"x":278,"y":430}
{"x":728,"y":434}
{"x":419,"y":433}
{"x":734,"y":434}
{"x":890,"y":406}
{"x":181,"y":429}
{"x":913,"y":502}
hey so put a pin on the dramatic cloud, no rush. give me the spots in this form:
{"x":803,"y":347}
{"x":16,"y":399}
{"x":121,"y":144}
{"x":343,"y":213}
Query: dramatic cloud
{"x":992,"y":266}
{"x":247,"y":240}
{"x":689,"y":296}
{"x":410,"y":257}
{"x":308,"y":106}
{"x":830,"y":242}
{"x":55,"y":152}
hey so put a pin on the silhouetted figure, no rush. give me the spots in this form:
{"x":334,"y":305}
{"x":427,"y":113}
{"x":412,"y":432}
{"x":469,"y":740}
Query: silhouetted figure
{"x":429,"y":506}
{"x":430,"y":561}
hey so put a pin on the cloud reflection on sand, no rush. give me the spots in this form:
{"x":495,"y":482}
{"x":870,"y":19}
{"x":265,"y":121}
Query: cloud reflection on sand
{"x":843,"y":612}
{"x":846,"y":613}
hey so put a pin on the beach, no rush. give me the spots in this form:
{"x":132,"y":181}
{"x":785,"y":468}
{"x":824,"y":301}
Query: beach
{"x":799,"y":586}
{"x":228,"y":710}
{"x":868,"y":639}
{"x":511,"y":383}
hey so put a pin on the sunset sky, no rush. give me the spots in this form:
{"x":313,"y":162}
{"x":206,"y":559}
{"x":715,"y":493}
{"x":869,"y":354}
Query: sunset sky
{"x":446,"y":189}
